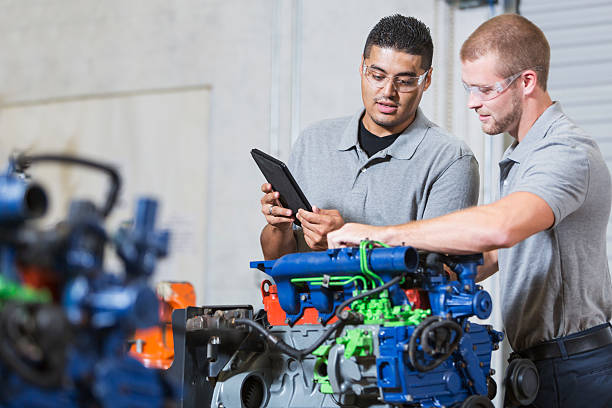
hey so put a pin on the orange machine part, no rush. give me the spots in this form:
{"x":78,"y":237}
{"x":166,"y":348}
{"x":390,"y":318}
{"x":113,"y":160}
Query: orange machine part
{"x":277,"y":316}
{"x":418,"y":298}
{"x":154,"y":346}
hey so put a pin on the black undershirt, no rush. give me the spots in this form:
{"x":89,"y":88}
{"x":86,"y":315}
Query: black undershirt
{"x":372,"y":144}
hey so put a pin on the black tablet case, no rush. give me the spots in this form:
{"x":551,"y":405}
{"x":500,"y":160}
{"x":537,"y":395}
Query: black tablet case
{"x":279,"y":176}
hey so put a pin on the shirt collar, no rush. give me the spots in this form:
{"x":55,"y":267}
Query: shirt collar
{"x":517,"y":152}
{"x":403,"y":148}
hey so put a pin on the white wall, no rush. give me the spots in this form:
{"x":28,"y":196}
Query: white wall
{"x":271,"y":66}
{"x":131,"y":131}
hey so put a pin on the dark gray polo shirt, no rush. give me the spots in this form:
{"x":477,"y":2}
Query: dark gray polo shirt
{"x":425,"y":173}
{"x":556,"y":282}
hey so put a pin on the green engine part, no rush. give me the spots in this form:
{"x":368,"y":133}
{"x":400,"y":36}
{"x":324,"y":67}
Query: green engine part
{"x":320,"y":368}
{"x":12,"y":291}
{"x":357,"y":342}
{"x":378,"y":310}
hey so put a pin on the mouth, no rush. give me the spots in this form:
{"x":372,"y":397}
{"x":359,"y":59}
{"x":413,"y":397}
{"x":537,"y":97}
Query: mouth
{"x":483,"y":117}
{"x":386,"y":107}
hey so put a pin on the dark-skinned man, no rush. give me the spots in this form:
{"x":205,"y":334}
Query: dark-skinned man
{"x":387,"y":163}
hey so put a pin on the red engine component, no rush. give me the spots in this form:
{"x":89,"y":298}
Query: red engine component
{"x":277,"y":316}
{"x":418,"y":298}
{"x":154,"y":347}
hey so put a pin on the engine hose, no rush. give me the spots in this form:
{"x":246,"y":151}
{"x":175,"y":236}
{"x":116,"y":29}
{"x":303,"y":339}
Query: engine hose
{"x":362,"y":295}
{"x":342,"y":318}
{"x":284,"y":347}
{"x":24,"y":161}
{"x":422,"y":333}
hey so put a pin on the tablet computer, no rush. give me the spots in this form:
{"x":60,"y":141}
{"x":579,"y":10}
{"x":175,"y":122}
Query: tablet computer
{"x":279,"y":176}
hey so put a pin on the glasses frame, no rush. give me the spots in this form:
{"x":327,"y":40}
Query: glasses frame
{"x":498,"y":87}
{"x":420,"y":79}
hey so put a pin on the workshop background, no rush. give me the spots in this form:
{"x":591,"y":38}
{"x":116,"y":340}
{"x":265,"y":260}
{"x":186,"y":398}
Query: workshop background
{"x":176,"y":94}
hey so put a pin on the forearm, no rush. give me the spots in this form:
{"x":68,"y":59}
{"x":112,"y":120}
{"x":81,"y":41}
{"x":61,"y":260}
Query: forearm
{"x":489,"y":266}
{"x":476,"y":229}
{"x":276,"y":242}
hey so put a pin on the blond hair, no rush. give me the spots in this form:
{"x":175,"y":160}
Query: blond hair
{"x":517,"y":42}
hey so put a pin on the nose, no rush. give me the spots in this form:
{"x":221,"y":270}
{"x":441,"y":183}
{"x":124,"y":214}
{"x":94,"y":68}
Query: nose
{"x":473,"y":101}
{"x":389,"y":89}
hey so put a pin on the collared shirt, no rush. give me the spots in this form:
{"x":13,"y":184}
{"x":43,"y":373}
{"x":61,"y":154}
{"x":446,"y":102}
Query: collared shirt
{"x":556,"y":282}
{"x":423,"y":174}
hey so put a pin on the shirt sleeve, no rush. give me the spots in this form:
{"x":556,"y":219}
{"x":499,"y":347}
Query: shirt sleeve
{"x":558,"y":174}
{"x":456,"y":188}
{"x":296,"y":163}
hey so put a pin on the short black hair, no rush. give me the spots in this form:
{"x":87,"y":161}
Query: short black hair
{"x":402,"y":33}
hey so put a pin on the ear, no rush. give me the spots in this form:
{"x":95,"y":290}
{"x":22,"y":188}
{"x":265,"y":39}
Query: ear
{"x":530,"y":81}
{"x":428,"y":79}
{"x":361,"y":65}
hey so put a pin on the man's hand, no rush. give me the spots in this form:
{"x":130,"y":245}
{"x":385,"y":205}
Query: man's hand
{"x":317,"y":224}
{"x":276,"y":215}
{"x":352,"y":234}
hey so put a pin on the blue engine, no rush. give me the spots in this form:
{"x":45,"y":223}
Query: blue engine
{"x":64,"y":320}
{"x":372,"y":344}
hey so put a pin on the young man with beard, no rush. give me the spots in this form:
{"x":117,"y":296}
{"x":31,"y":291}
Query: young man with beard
{"x":386,"y":164}
{"x":547,"y":234}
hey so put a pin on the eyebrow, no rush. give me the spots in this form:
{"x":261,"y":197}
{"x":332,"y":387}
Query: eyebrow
{"x":407,"y":73}
{"x":478,"y":85}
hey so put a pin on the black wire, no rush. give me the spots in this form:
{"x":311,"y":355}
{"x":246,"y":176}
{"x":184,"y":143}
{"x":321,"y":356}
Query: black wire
{"x":299,"y":354}
{"x":24,"y":161}
{"x":449,"y":325}
{"x":422,"y":331}
{"x":49,"y":374}
{"x":362,"y":295}
{"x":284,"y":347}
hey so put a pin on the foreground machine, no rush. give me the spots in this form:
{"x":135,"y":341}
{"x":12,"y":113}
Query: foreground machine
{"x":64,"y":319}
{"x":351,"y":327}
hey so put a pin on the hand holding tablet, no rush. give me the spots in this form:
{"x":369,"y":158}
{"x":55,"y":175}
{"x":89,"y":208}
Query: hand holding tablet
{"x":279,"y":176}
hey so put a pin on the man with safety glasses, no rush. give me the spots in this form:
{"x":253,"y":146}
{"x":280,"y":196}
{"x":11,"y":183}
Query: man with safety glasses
{"x":547,"y":234}
{"x":387,"y":164}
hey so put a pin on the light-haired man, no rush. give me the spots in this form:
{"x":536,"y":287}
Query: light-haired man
{"x":548,"y":232}
{"x":387,"y":164}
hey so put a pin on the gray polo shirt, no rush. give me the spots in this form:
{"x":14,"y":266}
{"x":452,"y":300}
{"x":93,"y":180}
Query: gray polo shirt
{"x":556,"y":282}
{"x":425,"y":173}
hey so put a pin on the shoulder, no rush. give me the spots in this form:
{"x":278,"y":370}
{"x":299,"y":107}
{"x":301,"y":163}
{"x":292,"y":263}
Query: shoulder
{"x":319,"y":138}
{"x":326,"y":127}
{"x":564,"y":136}
{"x":322,"y":135}
{"x":440,"y":140}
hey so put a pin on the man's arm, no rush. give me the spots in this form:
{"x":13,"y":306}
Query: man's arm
{"x":277,"y":236}
{"x":489,"y":266}
{"x":478,"y":229}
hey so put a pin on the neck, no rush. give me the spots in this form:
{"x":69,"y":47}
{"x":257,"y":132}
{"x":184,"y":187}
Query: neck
{"x":533,"y":107}
{"x":382,"y":131}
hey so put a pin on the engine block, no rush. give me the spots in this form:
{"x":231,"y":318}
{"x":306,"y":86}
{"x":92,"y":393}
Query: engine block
{"x":351,"y":327}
